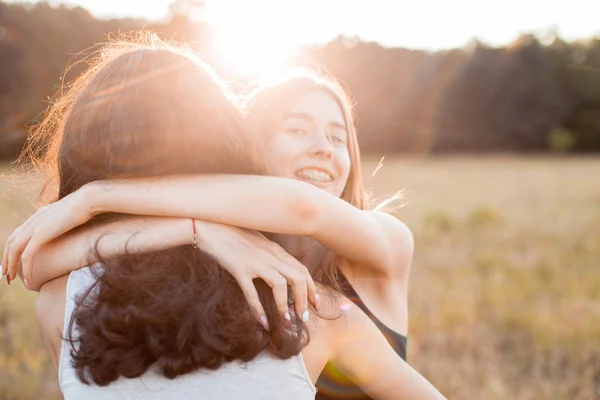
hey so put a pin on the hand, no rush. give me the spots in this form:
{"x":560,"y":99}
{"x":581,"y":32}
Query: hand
{"x":247,"y":255}
{"x":46,"y":224}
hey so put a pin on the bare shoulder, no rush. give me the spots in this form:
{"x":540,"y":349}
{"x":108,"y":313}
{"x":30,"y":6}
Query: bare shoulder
{"x":393,"y":225}
{"x":50,"y":314}
{"x":400,"y":240}
{"x":328,"y":328}
{"x":339,"y":318}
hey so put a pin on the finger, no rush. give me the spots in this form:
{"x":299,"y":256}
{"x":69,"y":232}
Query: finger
{"x":5,"y":259}
{"x":15,"y":252}
{"x":311,"y":287}
{"x":18,"y":233}
{"x":7,"y":246}
{"x":27,"y":260}
{"x":4,"y":265}
{"x":252,"y":298}
{"x":25,"y":281}
{"x":298,"y":283}
{"x":280,"y":291}
{"x":27,"y":267}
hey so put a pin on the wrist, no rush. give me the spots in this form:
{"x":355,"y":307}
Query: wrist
{"x":83,"y":206}
{"x":194,"y":234}
{"x":203,"y":230}
{"x":91,"y":198}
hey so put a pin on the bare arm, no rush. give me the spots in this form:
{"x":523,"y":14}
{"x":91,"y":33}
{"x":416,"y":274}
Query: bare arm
{"x":363,"y":353}
{"x":74,"y":250}
{"x":50,"y":314}
{"x":375,"y":240}
{"x":243,"y":253}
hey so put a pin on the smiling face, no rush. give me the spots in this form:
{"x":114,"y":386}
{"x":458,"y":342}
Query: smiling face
{"x":311,"y":144}
{"x":305,"y":127}
{"x":304,"y":124}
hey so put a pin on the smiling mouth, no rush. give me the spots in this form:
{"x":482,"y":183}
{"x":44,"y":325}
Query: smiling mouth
{"x":313,"y":175}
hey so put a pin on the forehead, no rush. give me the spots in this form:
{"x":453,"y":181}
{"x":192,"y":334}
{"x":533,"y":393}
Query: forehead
{"x":320,"y":106}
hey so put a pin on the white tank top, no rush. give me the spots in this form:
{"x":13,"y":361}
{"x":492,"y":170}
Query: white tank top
{"x":266,"y":377}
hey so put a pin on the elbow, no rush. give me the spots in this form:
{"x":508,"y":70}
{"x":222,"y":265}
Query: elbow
{"x":34,"y":286}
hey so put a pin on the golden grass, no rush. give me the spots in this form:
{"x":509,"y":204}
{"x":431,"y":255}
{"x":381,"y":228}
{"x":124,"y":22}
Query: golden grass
{"x":505,"y":287}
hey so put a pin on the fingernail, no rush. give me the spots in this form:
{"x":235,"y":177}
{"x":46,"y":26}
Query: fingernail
{"x":264,"y":322}
{"x":27,"y":284}
{"x":287,"y":316}
{"x":305,"y":316}
{"x":8,"y":279}
{"x":316,"y":301}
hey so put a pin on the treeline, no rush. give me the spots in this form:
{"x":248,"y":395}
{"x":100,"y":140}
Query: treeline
{"x":525,"y":97}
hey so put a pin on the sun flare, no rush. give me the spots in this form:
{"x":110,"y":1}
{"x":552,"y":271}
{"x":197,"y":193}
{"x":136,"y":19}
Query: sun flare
{"x":252,"y":38}
{"x":252,"y":55}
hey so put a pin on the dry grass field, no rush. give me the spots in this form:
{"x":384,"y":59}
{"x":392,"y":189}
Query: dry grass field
{"x":505,"y":288}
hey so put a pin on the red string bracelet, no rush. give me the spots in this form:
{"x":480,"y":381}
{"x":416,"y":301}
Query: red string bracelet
{"x":195,"y":236}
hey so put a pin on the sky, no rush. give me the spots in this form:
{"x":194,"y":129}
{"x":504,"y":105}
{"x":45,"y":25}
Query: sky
{"x":269,"y":29}
{"x":426,"y":24}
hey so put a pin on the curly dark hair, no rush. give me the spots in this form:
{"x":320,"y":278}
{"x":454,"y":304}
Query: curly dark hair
{"x":145,"y":109}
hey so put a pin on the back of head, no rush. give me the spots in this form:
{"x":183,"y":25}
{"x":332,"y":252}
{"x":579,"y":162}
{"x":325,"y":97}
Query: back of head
{"x":147,"y":109}
{"x":143,"y":108}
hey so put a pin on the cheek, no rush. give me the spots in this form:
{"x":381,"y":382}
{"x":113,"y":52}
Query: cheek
{"x":279,"y":153}
{"x":344,"y":165}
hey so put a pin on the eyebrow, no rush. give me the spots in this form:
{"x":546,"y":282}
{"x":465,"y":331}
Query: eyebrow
{"x":309,"y":118}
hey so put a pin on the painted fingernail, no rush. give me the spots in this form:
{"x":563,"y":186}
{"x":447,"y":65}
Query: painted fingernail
{"x":305,"y":316}
{"x":264,"y":322}
{"x":8,"y":279}
{"x":27,"y":284}
{"x":287,"y":316}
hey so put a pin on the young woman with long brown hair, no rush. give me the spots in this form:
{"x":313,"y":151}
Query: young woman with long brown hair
{"x":142,"y":113}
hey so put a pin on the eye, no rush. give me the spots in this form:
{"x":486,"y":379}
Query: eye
{"x":337,"y":136}
{"x":296,"y":131}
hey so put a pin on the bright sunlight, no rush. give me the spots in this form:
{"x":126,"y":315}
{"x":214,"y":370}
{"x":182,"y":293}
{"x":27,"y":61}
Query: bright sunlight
{"x":248,"y":38}
{"x":254,"y":37}
{"x":254,"y":54}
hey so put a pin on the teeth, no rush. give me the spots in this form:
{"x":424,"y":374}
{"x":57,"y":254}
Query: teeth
{"x":314,"y":175}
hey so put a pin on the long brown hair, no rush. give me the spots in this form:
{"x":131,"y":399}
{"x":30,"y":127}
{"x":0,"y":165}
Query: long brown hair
{"x":144,"y":108}
{"x":266,"y":108}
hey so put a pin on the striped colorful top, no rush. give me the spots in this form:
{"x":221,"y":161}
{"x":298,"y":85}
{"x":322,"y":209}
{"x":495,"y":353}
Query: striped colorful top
{"x":332,"y":383}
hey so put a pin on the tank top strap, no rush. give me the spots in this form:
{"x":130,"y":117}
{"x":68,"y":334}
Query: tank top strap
{"x":398,"y":341}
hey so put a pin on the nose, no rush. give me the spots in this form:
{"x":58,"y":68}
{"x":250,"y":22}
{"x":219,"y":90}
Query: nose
{"x":321,"y":146}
